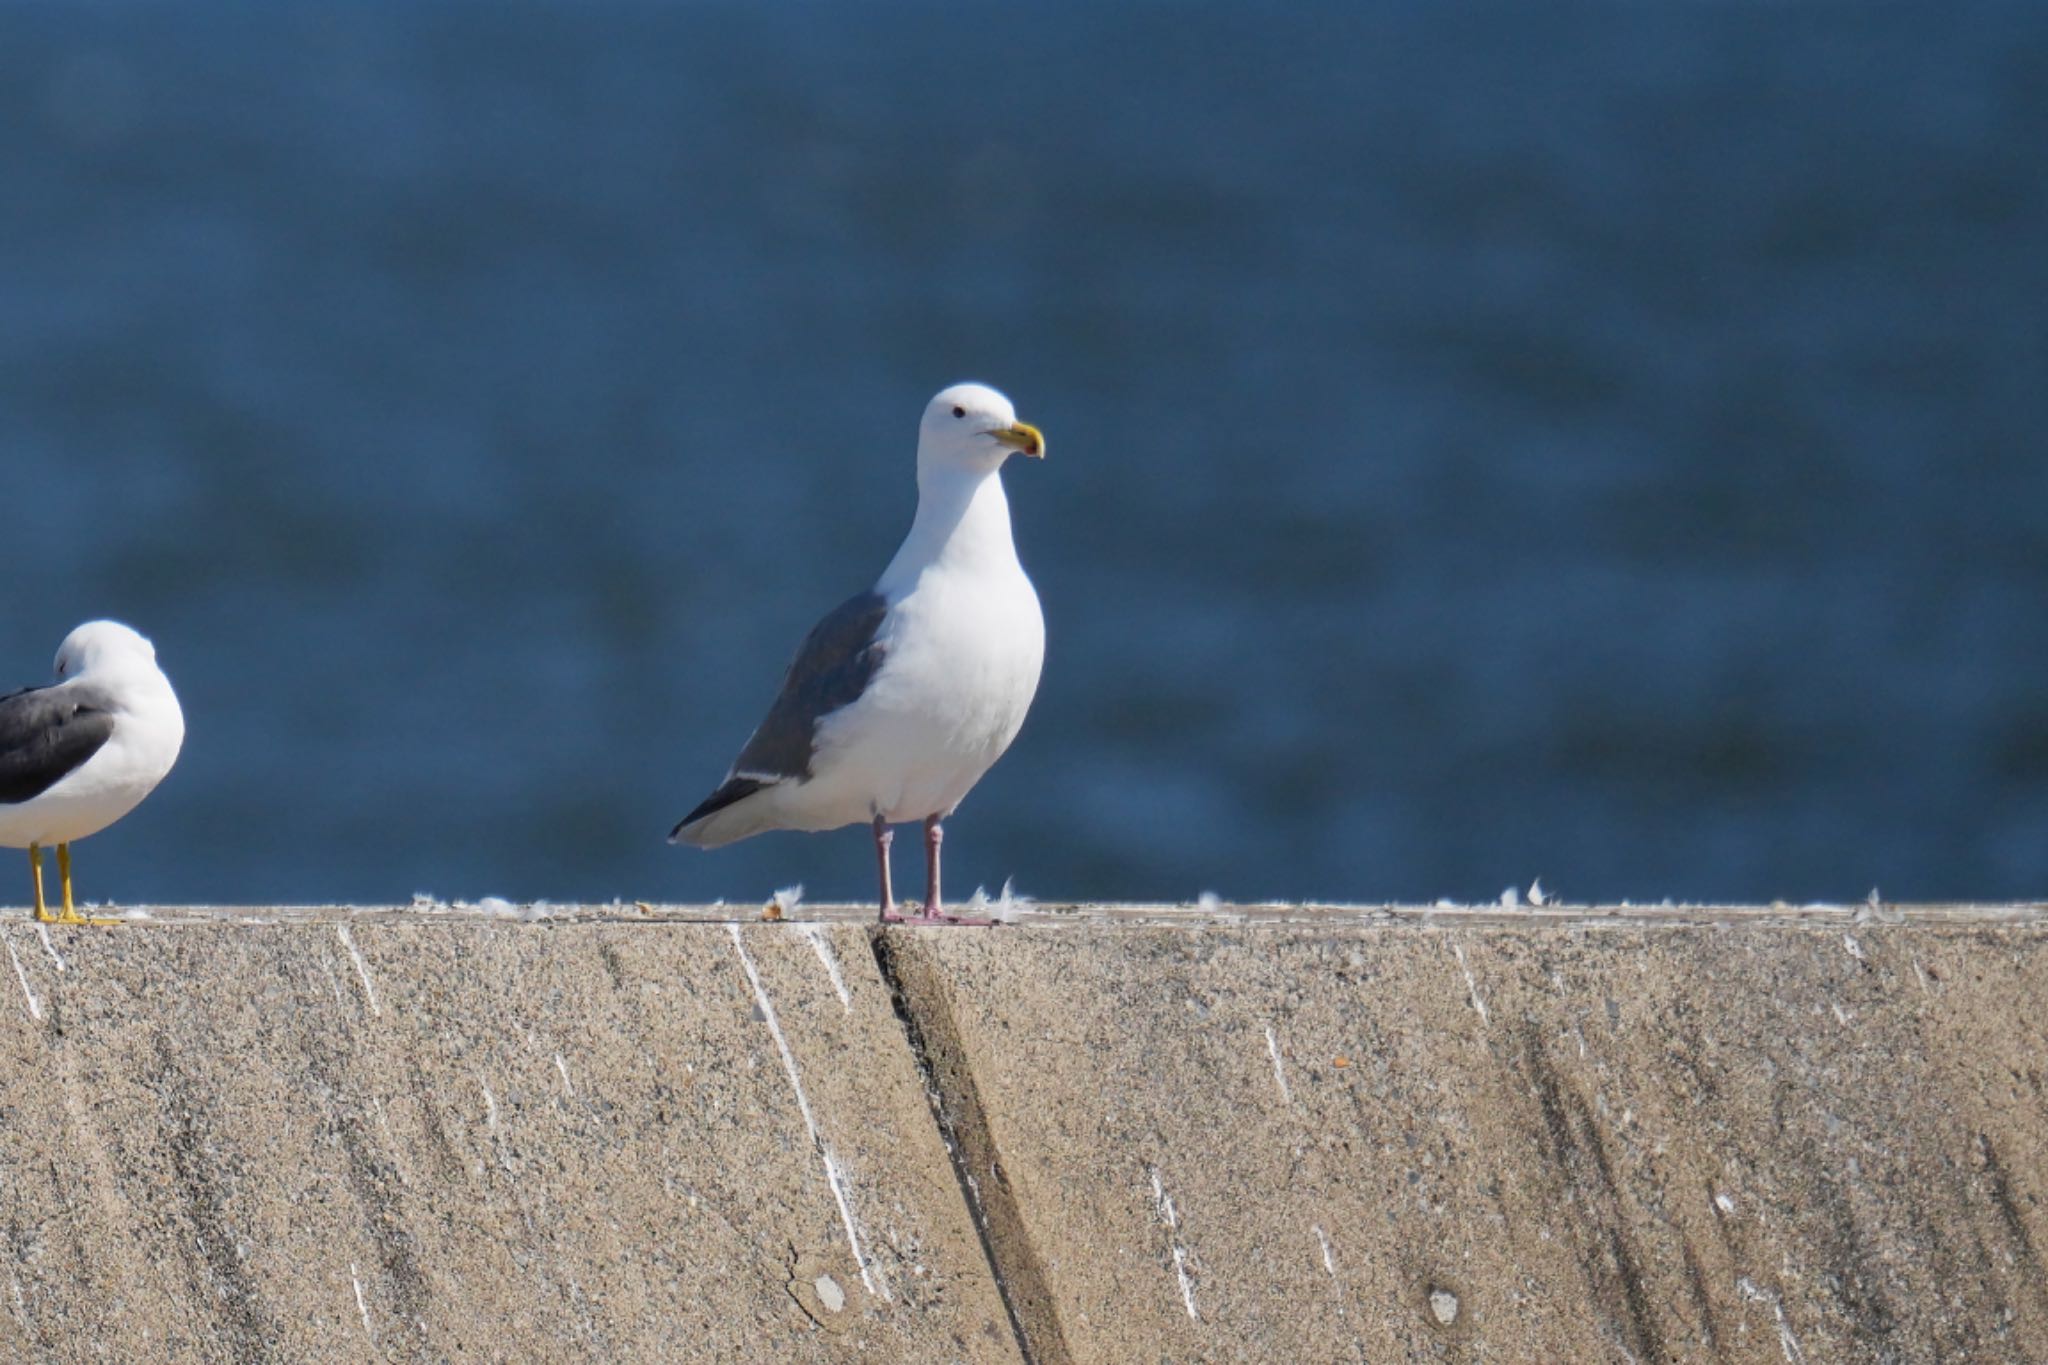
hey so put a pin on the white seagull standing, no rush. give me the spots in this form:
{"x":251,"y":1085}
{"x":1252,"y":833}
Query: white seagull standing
{"x":905,"y":695}
{"x":80,"y":753}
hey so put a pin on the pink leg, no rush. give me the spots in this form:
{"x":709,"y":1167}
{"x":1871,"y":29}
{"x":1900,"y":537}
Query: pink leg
{"x":884,"y":836}
{"x":934,"y":911}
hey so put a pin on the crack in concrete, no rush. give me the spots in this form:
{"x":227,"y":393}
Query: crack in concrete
{"x":928,"y":1026}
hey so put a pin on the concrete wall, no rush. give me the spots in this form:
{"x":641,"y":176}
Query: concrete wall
{"x":1094,"y":1135}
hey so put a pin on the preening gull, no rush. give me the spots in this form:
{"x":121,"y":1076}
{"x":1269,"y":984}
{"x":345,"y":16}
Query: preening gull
{"x":903,"y":696}
{"x":78,"y":754}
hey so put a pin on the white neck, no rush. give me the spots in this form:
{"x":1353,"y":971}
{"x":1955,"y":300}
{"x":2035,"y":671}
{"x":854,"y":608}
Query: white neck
{"x":139,"y":682}
{"x":962,"y":520}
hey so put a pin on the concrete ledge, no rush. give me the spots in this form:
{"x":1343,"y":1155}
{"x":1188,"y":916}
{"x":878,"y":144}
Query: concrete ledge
{"x":1771,"y":1137}
{"x":379,"y":1140}
{"x":1272,"y":1133}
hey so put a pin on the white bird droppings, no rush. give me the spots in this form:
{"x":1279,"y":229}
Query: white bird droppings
{"x":1329,"y":1261}
{"x":1164,"y":1203}
{"x":1279,"y":1070}
{"x":362,"y":969}
{"x":829,"y":1293}
{"x":1163,"y":1200}
{"x":833,"y":1180}
{"x":815,"y":935}
{"x":1443,"y":1306}
{"x":1788,"y":1344}
{"x":35,"y":1009}
{"x":1187,"y":1288}
{"x":362,"y":1304}
{"x":43,"y":932}
{"x":1470,"y":984}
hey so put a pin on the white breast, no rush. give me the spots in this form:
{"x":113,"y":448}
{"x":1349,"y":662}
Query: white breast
{"x":962,"y":644}
{"x":961,"y":667}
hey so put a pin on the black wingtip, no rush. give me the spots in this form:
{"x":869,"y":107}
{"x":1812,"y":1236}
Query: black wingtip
{"x":733,"y":789}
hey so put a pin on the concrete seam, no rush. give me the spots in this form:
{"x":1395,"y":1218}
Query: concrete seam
{"x":935,"y":1048}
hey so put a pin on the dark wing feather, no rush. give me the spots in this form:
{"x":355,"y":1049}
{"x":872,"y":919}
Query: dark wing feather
{"x":45,"y":733}
{"x":837,"y":661}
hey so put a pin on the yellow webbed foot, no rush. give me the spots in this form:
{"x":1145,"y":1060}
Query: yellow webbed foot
{"x":70,"y":915}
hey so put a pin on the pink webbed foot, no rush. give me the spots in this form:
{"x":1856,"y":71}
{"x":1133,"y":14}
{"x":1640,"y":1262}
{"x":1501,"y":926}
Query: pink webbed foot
{"x":937,"y":917}
{"x":934,"y":909}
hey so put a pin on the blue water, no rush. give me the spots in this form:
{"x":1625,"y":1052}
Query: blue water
{"x":1488,"y":441}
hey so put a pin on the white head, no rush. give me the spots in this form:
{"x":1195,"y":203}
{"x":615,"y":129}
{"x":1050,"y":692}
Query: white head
{"x":973,"y":427}
{"x":100,"y":645}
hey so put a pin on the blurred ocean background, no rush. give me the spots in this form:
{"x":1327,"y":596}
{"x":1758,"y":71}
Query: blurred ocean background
{"x":1488,"y":441}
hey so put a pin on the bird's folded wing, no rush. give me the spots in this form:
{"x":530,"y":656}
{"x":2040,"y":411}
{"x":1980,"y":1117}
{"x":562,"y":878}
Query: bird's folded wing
{"x":838,"y":660}
{"x":46,"y":733}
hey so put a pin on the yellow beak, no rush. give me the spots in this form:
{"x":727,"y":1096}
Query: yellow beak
{"x":1022,"y":436}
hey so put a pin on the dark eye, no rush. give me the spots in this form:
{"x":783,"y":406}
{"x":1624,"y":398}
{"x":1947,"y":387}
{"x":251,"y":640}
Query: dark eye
{"x":959,"y":412}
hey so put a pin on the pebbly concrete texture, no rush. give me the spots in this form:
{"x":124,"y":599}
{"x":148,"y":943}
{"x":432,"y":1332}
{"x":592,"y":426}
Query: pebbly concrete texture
{"x":1094,"y":1134}
{"x":1680,"y":1136}
{"x":368,"y":1139}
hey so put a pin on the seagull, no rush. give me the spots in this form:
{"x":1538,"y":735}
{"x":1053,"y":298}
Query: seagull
{"x":903,"y":696}
{"x":78,"y":754}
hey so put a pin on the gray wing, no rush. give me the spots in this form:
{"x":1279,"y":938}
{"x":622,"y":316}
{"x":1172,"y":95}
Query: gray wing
{"x":45,"y":734}
{"x":838,"y":660}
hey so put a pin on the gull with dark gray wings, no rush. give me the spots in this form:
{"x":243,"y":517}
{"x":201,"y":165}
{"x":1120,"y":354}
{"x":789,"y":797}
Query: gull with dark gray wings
{"x":78,"y":754}
{"x":904,"y":695}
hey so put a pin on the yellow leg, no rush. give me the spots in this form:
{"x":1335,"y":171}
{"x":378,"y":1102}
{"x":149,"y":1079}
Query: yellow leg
{"x":35,"y":872}
{"x":71,"y":915}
